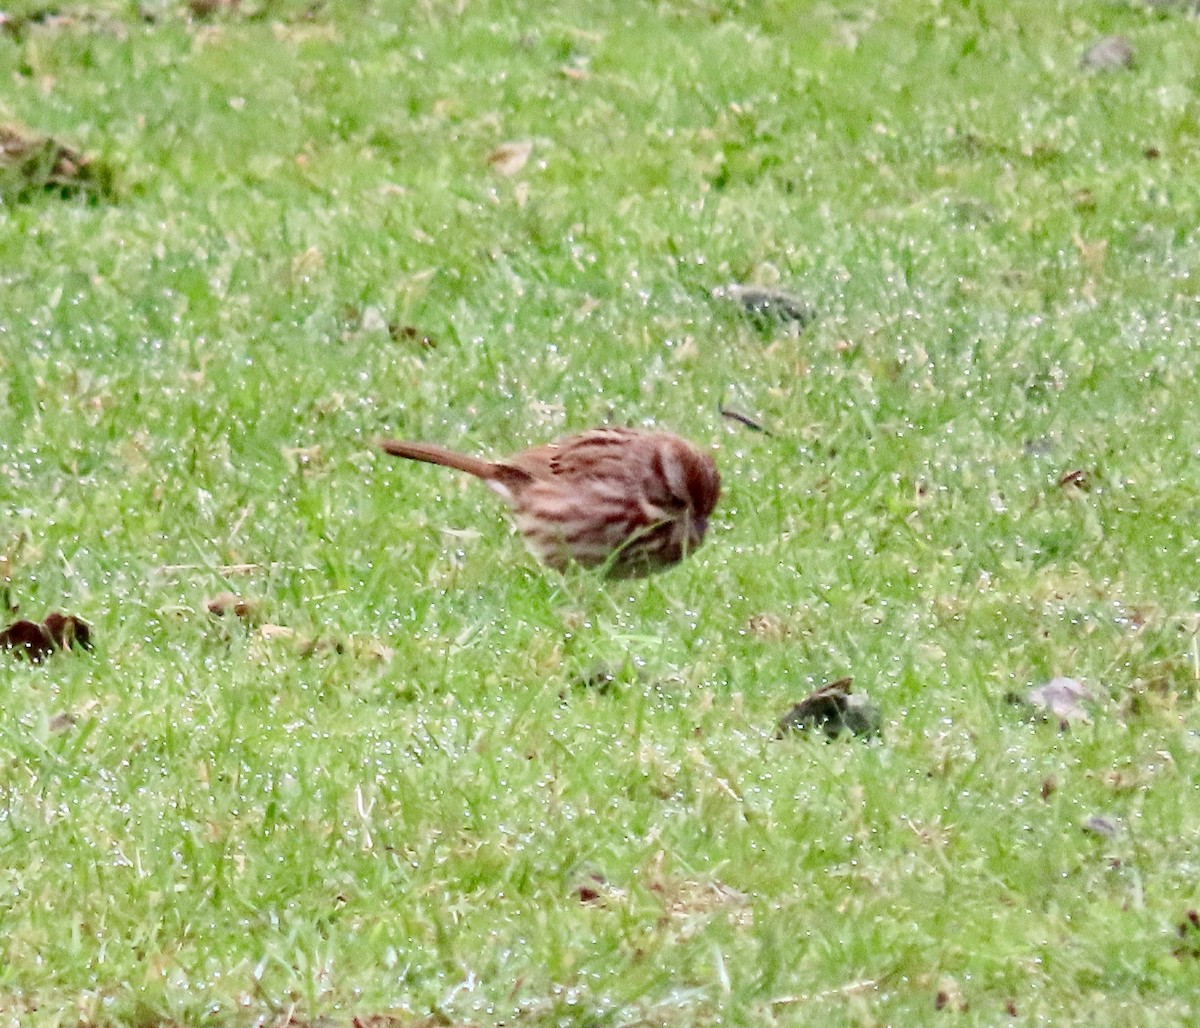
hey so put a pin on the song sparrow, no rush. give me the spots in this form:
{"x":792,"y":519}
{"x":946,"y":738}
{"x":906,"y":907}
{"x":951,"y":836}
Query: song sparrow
{"x":628,"y":500}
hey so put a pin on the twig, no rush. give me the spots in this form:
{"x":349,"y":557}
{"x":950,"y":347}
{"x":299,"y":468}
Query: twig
{"x":743,"y":419}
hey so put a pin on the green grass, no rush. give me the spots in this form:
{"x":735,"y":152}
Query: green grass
{"x":1003,"y":253}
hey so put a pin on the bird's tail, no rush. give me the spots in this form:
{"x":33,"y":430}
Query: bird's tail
{"x":431,"y":453}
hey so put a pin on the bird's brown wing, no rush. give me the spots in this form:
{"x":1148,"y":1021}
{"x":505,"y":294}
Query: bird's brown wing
{"x":599,"y":453}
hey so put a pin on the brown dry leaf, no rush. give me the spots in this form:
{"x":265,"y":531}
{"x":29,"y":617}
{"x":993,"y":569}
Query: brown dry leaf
{"x":207,"y":8}
{"x":411,"y":334}
{"x":372,"y":648}
{"x":305,"y":265}
{"x":305,"y":645}
{"x":230,"y":603}
{"x":683,"y":898}
{"x":593,"y":888}
{"x":67,"y":631}
{"x":950,"y":997}
{"x":68,"y":719}
{"x":1092,"y":254}
{"x":509,"y":158}
{"x":31,"y":163}
{"x":771,"y":627}
{"x":36,"y":642}
{"x":61,"y":722}
{"x":833,"y":709}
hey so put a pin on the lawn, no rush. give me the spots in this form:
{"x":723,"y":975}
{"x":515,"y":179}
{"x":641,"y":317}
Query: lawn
{"x":419,"y":779}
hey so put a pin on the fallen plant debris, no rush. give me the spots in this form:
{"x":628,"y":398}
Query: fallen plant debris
{"x":374,"y":319}
{"x":230,"y":603}
{"x":742,"y":419}
{"x":362,"y":647}
{"x":509,"y":158}
{"x":1189,"y":933}
{"x":1076,"y":477}
{"x":1109,"y":53}
{"x":832,"y":709}
{"x":766,"y":305}
{"x":68,"y":719}
{"x":38,"y":641}
{"x":601,"y":678}
{"x":592,"y":888}
{"x":208,"y":8}
{"x":410,"y":333}
{"x":1103,"y":826}
{"x":1061,"y":698}
{"x":31,"y":163}
{"x":61,"y":722}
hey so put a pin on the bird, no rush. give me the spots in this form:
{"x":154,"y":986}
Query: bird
{"x":629,"y":501}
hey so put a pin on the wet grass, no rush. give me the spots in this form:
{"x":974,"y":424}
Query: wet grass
{"x":981,"y":474}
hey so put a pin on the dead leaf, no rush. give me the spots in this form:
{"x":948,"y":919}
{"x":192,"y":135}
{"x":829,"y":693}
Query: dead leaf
{"x":207,"y":8}
{"x":61,"y":722}
{"x":29,"y":637}
{"x":410,"y":333}
{"x":372,"y":320}
{"x":305,"y":265}
{"x":766,"y":305}
{"x":1109,"y":53}
{"x":834,"y":709}
{"x":68,"y":631}
{"x":949,"y":996}
{"x":600,"y":677}
{"x":769,"y":626}
{"x":1062,"y":698}
{"x":592,"y":888}
{"x":1106,"y":827}
{"x":37,"y":642}
{"x":32,"y":163}
{"x":305,"y":645}
{"x":509,"y":158}
{"x":1093,"y":254}
{"x":1189,"y":932}
{"x":230,"y":603}
{"x":370,"y":647}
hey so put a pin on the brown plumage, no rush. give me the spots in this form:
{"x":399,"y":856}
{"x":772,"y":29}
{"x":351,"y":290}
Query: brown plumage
{"x":628,"y":500}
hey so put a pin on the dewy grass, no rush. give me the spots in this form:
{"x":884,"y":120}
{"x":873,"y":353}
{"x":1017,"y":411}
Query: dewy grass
{"x":436,"y":783}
